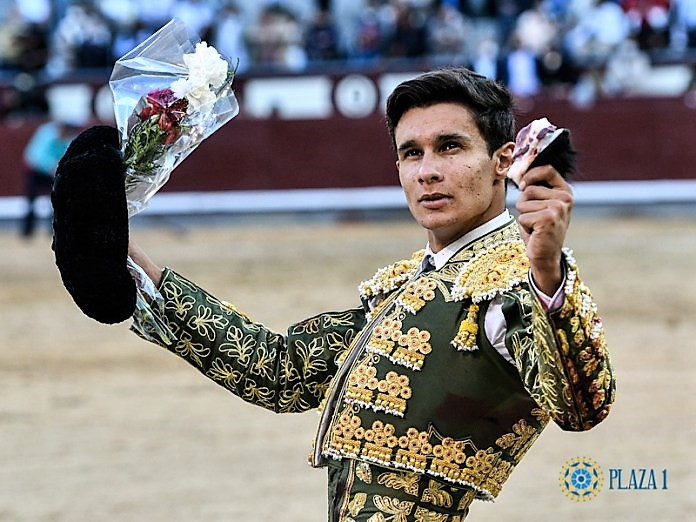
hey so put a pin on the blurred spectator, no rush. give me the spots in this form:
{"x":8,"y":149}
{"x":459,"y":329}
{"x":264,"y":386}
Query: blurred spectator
{"x":321,"y":38}
{"x":154,"y":15}
{"x":275,"y":39}
{"x":486,"y":60}
{"x":41,"y":155}
{"x":127,"y":37}
{"x":197,"y":16}
{"x":566,"y":38}
{"x":346,"y":14}
{"x":35,"y":11}
{"x":478,"y":8}
{"x":410,"y":38}
{"x":521,"y":72}
{"x":69,"y":113}
{"x":597,"y":34}
{"x":447,"y":34}
{"x":649,"y":21}
{"x":228,"y":35}
{"x":120,"y":13}
{"x":82,"y":40}
{"x":371,"y":32}
{"x":626,"y":68}
{"x":535,"y":31}
{"x":685,"y":20}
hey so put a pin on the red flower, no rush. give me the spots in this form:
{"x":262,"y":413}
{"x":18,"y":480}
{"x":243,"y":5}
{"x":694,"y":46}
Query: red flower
{"x":161,"y":97}
{"x":171,"y":111}
{"x":171,"y":136}
{"x":166,"y":121}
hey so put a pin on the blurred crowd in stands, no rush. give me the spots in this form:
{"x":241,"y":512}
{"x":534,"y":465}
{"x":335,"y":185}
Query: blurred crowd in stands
{"x":531,"y":45}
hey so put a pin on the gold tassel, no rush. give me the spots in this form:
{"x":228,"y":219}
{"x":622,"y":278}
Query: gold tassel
{"x":466,"y":337}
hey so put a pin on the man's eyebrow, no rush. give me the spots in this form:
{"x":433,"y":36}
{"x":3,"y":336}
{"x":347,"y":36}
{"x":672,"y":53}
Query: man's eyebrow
{"x":406,"y":145}
{"x":454,"y":136}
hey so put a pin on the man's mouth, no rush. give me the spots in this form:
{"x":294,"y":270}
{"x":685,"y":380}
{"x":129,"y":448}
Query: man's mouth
{"x":432,"y":197}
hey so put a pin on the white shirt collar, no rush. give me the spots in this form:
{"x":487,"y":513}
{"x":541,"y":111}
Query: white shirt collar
{"x":440,"y":258}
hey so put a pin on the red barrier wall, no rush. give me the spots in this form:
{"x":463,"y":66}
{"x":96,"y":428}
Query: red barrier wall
{"x":620,"y":139}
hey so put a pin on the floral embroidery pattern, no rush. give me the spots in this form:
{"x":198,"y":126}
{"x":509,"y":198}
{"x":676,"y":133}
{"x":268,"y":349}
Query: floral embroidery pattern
{"x":564,"y":363}
{"x":437,"y":495}
{"x":425,"y":515}
{"x":408,"y":482}
{"x":398,"y":509}
{"x":281,"y":373}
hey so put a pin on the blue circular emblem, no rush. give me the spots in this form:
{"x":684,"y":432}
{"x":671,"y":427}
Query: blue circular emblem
{"x":581,"y":479}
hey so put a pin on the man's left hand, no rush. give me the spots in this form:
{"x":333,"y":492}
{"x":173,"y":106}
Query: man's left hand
{"x":544,"y":217}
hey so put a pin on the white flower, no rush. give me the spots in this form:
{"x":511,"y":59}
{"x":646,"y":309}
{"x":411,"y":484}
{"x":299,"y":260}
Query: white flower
{"x":200,"y":97}
{"x":206,"y":67}
{"x":207,"y":70}
{"x":181,"y":87}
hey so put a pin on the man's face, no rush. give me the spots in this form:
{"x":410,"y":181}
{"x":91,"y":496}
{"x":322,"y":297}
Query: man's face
{"x":451,"y":183}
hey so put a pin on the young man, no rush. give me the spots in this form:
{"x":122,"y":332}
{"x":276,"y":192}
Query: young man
{"x":431,"y":391}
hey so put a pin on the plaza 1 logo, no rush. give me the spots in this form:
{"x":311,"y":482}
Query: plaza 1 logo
{"x":581,"y":479}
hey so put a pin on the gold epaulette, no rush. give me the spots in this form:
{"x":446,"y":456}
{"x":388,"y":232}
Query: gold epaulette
{"x":391,"y":277}
{"x":489,"y":273}
{"x":492,"y":272}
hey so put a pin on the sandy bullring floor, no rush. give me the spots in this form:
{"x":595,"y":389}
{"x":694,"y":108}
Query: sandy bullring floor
{"x":97,"y":425}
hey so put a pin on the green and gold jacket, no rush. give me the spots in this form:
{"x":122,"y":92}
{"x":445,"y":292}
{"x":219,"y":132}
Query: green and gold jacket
{"x":409,"y":380}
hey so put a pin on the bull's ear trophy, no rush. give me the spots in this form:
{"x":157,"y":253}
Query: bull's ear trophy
{"x":542,"y":143}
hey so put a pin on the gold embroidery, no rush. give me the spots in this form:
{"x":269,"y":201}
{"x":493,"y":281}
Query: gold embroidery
{"x":417,"y":293}
{"x":392,"y":392}
{"x":393,"y":506}
{"x":206,"y":323}
{"x":521,"y":437}
{"x":436,"y":495}
{"x":414,"y":447}
{"x":425,"y":515}
{"x":479,"y":466}
{"x":466,"y":336}
{"x":412,"y":349}
{"x":406,"y":481}
{"x":379,"y":441}
{"x":356,"y":505}
{"x":391,"y":277}
{"x":363,"y":471}
{"x":467,"y":499}
{"x":492,"y":272}
{"x":187,"y":349}
{"x":385,"y":335}
{"x":407,"y":349}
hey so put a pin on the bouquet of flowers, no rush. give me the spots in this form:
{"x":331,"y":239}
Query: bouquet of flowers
{"x":170,"y":94}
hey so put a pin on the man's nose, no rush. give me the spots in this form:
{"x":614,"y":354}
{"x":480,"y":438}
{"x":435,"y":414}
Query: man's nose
{"x":428,"y":171}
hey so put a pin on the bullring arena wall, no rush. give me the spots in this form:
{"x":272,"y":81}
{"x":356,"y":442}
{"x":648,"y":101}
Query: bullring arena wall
{"x":327,"y":131}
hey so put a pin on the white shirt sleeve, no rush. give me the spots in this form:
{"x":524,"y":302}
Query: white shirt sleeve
{"x":495,"y":327}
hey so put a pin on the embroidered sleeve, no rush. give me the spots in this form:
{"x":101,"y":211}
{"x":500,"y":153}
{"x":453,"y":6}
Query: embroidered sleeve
{"x":562,"y":357}
{"x":283,"y":373}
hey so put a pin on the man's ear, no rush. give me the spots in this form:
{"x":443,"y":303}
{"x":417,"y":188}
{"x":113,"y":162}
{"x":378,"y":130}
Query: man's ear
{"x":503,"y":159}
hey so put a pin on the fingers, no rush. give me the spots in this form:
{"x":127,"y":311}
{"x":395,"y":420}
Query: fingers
{"x":543,"y":175}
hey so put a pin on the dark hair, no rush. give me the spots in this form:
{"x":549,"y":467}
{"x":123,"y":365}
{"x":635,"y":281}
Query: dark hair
{"x":490,"y":103}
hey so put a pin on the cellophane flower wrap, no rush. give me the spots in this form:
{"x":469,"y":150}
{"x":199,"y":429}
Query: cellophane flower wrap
{"x":170,"y":93}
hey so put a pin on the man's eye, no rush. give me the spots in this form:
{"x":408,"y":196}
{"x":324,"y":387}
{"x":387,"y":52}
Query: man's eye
{"x":450,"y":145}
{"x":410,"y":153}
